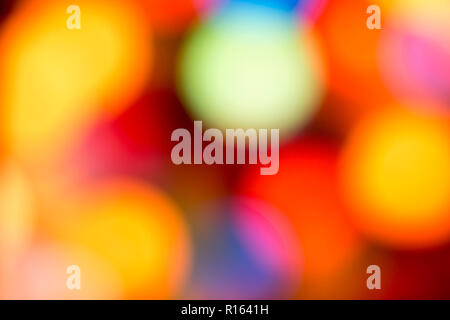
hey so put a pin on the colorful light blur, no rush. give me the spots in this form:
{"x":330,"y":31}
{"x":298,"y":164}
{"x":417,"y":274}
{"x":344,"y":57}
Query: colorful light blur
{"x":251,"y":254}
{"x":46,"y":260}
{"x":56,"y":81}
{"x":17,"y":214}
{"x":310,"y":10}
{"x":86,"y":177}
{"x":350,"y":50}
{"x":170,"y":17}
{"x":125,"y":223}
{"x":225,"y":88}
{"x":415,"y":55}
{"x":307,"y":10}
{"x":396,"y":175}
{"x":327,"y":238}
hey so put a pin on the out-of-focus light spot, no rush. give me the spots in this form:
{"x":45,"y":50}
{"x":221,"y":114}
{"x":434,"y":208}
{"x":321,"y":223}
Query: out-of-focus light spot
{"x":138,"y":231}
{"x":17,"y":205}
{"x":17,"y":210}
{"x":249,"y":68}
{"x":42,"y":274}
{"x":55,"y":81}
{"x":415,"y":53}
{"x":396,"y":177}
{"x":350,"y":51}
{"x":247,"y":252}
{"x":306,"y":190}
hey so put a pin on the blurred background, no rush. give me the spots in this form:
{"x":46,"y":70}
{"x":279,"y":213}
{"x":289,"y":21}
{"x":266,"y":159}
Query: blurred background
{"x":86,"y":177}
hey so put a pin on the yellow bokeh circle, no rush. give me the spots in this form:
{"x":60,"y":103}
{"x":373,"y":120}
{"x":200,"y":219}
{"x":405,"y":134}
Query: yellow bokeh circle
{"x":56,"y":80}
{"x":395,"y":171}
{"x":137,"y":230}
